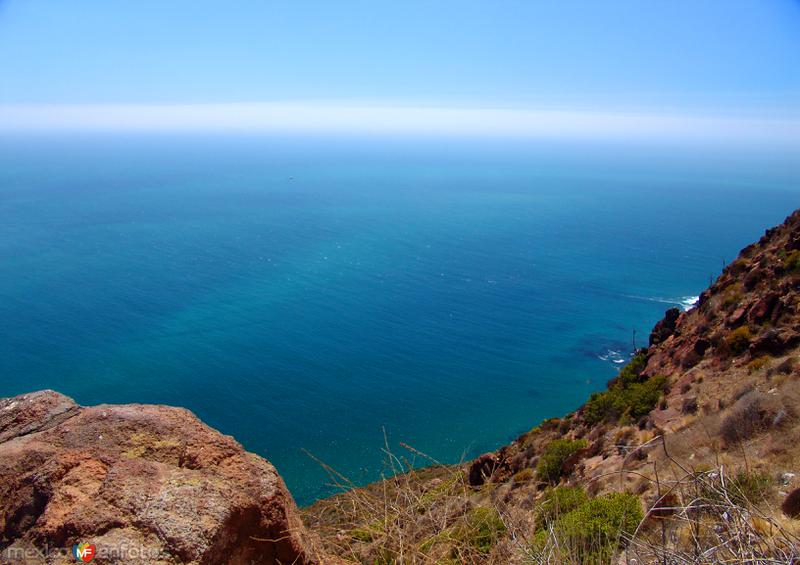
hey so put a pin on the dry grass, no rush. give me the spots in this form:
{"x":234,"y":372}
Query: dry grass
{"x":712,"y":516}
{"x":427,"y":516}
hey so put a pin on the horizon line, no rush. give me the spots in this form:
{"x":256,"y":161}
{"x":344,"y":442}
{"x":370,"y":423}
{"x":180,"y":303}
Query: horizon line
{"x":332,"y":118}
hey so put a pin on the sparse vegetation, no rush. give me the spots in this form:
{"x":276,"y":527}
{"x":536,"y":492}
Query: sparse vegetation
{"x":738,"y":340}
{"x":749,"y":487}
{"x":480,"y":529}
{"x":557,"y":502}
{"x":710,"y":520}
{"x":791,"y":262}
{"x":757,"y":364}
{"x":750,"y":415}
{"x":629,"y":401}
{"x":732,"y":297}
{"x":554,"y":456}
{"x":738,"y":266}
{"x":433,"y":516}
{"x":523,"y":476}
{"x":705,"y":469}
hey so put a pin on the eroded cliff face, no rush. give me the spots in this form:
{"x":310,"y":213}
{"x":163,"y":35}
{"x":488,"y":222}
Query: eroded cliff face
{"x":723,"y":380}
{"x":143,"y":484}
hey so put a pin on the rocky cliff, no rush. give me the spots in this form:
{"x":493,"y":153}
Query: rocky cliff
{"x":142,"y":484}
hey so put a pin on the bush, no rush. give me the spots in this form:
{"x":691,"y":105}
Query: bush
{"x":631,"y":372}
{"x":738,"y":340}
{"x":632,"y":401}
{"x":757,"y":364}
{"x":749,"y":416}
{"x":792,"y":261}
{"x":592,"y":532}
{"x":523,"y":476}
{"x":558,"y":502}
{"x":749,"y":488}
{"x":628,"y":396}
{"x":738,"y":266}
{"x":552,"y":460}
{"x":481,"y":529}
{"x":732,"y":297}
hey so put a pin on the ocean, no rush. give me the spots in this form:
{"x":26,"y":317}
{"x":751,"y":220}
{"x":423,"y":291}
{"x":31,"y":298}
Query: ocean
{"x":321,"y":299}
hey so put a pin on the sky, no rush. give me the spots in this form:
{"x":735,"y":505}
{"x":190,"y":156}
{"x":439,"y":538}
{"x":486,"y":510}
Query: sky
{"x":508,"y":66}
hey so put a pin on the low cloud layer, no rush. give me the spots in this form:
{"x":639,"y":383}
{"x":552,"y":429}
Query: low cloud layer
{"x":429,"y":121}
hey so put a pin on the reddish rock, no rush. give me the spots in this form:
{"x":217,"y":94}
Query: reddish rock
{"x":33,"y":412}
{"x":752,"y":279}
{"x":145,"y":484}
{"x":774,"y":342}
{"x":686,"y":354}
{"x":701,"y":346}
{"x":762,"y":309}
{"x":738,"y":317}
{"x":665,"y":327}
{"x":689,"y":405}
{"x":667,"y":419}
{"x":777,"y":311}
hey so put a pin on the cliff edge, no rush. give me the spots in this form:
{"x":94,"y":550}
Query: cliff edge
{"x":138,"y":484}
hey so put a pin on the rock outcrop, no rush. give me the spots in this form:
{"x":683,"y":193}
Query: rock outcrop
{"x":142,"y":483}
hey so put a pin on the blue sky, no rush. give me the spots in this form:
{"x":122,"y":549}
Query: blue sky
{"x":689,"y":57}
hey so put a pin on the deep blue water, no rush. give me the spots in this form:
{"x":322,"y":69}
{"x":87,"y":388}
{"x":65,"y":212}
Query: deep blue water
{"x":303,"y":294}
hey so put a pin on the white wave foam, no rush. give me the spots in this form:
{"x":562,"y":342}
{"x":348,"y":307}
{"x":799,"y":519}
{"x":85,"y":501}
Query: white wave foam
{"x":684,"y":302}
{"x":612,"y":356}
{"x":689,"y":302}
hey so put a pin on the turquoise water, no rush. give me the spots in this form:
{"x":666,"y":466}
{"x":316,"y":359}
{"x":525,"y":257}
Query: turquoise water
{"x":309,"y":294}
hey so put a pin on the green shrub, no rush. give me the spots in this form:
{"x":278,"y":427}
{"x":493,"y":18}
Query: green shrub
{"x":558,"y":502}
{"x":481,"y":529}
{"x":628,"y":396}
{"x":630,"y":401}
{"x":523,"y":476}
{"x":556,"y":452}
{"x":594,"y":530}
{"x":597,"y":528}
{"x":361,"y":534}
{"x":631,"y":372}
{"x":792,"y":261}
{"x":738,"y":340}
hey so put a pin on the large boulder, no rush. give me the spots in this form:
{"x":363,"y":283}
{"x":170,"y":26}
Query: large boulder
{"x":143,"y":484}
